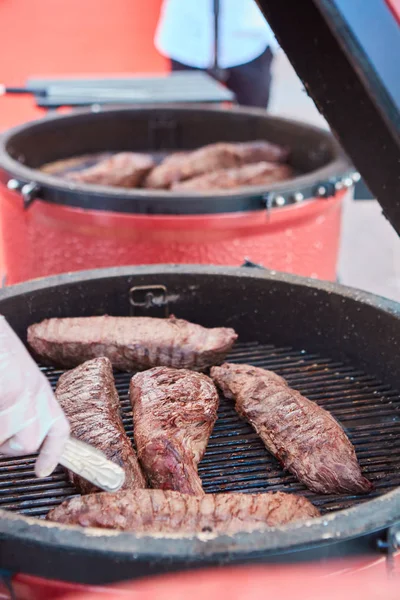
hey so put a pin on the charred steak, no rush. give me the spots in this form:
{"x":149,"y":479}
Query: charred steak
{"x":131,"y":343}
{"x":174,"y":412}
{"x":155,"y":512}
{"x":124,"y":169}
{"x":185,"y":165}
{"x":262,"y":173}
{"x":90,"y":402}
{"x":304,"y":437}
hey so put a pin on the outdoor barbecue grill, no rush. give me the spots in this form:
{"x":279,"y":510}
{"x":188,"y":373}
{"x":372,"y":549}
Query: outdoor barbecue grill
{"x":338,"y":346}
{"x":51,"y":226}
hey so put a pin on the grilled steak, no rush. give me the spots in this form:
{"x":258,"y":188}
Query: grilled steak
{"x":125,"y":169}
{"x":262,"y":173}
{"x":131,"y":343}
{"x":174,"y":412}
{"x":155,"y":512}
{"x":304,"y":437}
{"x":90,"y":402}
{"x":180,"y":166}
{"x":76,"y":163}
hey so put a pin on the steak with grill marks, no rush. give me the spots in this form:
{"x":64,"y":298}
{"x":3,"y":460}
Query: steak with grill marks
{"x":174,"y":412}
{"x":76,"y":163}
{"x":90,"y":401}
{"x":262,"y":173}
{"x":304,"y":437}
{"x":155,"y":512}
{"x":181,"y":166}
{"x":131,"y":343}
{"x":124,"y":169}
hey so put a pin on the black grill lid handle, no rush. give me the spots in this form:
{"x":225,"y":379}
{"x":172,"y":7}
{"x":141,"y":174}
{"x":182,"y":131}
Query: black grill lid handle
{"x":346,"y":54}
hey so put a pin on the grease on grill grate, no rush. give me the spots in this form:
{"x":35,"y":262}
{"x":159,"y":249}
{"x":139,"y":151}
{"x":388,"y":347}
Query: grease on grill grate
{"x":236,"y":460}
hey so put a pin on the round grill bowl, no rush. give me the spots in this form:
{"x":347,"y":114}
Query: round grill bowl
{"x":52,"y":226}
{"x":333,"y":343}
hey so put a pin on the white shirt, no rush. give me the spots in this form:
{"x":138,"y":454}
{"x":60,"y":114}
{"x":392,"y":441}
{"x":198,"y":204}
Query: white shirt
{"x":185,"y":32}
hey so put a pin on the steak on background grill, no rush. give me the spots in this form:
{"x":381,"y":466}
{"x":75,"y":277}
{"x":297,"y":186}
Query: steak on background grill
{"x":76,"y":163}
{"x":131,"y":343}
{"x":155,"y":512}
{"x":222,"y":155}
{"x":90,"y":402}
{"x":124,"y":169}
{"x":304,"y":437}
{"x":174,"y":411}
{"x":262,"y":173}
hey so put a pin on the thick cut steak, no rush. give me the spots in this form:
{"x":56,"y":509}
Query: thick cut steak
{"x":256,"y":174}
{"x":125,"y":169}
{"x":131,"y":343}
{"x":76,"y":163}
{"x":174,"y":412}
{"x":155,"y":512}
{"x":304,"y":437}
{"x":90,"y":402}
{"x":184,"y":165}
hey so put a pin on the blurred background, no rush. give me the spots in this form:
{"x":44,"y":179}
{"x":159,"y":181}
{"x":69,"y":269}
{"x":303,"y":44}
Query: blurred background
{"x":56,"y":38}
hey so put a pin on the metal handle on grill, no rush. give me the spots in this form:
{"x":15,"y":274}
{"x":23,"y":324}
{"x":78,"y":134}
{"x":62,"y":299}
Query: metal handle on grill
{"x":91,"y":464}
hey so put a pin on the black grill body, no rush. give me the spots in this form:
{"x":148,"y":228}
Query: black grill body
{"x":338,"y":347}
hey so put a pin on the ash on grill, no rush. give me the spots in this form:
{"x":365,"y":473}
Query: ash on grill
{"x":236,"y":459}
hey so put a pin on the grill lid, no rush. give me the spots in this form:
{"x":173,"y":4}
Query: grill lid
{"x":346,"y":54}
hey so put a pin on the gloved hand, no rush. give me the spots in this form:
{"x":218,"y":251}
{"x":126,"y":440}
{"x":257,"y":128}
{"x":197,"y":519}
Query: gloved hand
{"x":31,"y":419}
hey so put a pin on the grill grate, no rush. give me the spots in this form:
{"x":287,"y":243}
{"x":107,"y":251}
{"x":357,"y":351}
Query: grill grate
{"x":236,"y":460}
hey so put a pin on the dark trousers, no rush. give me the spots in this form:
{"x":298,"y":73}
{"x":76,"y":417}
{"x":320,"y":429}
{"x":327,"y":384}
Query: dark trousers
{"x":250,"y":82}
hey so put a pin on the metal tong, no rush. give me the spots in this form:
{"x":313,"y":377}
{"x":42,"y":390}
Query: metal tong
{"x":91,"y":464}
